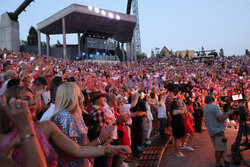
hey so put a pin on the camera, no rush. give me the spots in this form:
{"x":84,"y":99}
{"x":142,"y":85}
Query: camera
{"x":239,"y":146}
{"x":237,"y":97}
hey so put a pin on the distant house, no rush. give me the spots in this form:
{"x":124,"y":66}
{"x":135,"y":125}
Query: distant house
{"x":165,"y":52}
{"x":183,"y":53}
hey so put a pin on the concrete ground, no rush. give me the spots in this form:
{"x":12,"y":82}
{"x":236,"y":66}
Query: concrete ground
{"x":203,"y":155}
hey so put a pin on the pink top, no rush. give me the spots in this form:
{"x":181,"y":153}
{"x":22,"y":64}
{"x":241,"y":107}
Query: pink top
{"x":18,"y":156}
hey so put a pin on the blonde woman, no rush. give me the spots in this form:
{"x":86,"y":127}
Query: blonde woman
{"x":68,"y":117}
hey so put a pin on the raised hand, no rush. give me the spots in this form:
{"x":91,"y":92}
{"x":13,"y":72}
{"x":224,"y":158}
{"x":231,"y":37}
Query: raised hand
{"x":17,"y":111}
{"x":118,"y":150}
{"x":106,"y":133}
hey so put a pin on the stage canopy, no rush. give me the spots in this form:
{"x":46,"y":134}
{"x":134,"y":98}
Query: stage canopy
{"x":79,"y":18}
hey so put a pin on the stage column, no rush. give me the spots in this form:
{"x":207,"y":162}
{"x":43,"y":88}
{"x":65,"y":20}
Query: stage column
{"x":123,"y":54}
{"x":134,"y":46}
{"x":79,"y":46}
{"x":64,"y":38}
{"x":130,"y":52}
{"x":39,"y":43}
{"x":47,"y":44}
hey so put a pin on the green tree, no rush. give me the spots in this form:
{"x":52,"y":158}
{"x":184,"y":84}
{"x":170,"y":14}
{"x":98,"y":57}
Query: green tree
{"x":32,"y":37}
{"x":161,"y":54}
{"x":186,"y":55}
{"x":180,"y":55}
{"x":23,"y":42}
{"x":152,"y":54}
{"x":221,"y":52}
{"x":247,"y":52}
{"x":203,"y":51}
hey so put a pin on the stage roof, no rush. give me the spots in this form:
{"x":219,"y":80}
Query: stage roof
{"x":80,"y":18}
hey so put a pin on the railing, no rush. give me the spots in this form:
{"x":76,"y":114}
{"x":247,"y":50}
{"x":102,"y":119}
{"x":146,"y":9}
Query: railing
{"x":102,"y":57}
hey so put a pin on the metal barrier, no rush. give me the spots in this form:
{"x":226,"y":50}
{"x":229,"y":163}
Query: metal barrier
{"x":106,"y":57}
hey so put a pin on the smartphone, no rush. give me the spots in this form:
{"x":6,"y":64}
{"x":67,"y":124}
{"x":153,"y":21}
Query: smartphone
{"x":32,"y":58}
{"x":37,"y":68}
{"x":4,"y":56}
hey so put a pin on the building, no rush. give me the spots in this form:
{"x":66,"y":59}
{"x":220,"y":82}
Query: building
{"x":165,"y":52}
{"x":183,"y":53}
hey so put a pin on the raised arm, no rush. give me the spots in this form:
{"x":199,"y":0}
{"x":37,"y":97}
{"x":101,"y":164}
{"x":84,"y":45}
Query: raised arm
{"x":72,"y":148}
{"x":19,"y":114}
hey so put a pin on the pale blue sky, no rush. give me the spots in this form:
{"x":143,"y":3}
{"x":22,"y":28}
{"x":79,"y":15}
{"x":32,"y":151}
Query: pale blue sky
{"x":176,"y":24}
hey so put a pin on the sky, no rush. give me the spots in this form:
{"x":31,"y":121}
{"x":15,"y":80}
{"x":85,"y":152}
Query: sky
{"x":176,"y":24}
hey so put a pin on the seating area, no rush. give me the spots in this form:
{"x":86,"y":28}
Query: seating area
{"x":152,"y":155}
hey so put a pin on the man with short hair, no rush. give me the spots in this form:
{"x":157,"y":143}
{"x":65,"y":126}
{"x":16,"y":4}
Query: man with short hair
{"x":38,"y":89}
{"x":216,"y":126}
{"x":55,"y":83}
{"x":109,"y":112}
{"x":98,"y":98}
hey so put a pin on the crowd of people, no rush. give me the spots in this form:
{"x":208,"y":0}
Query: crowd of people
{"x":88,"y":114}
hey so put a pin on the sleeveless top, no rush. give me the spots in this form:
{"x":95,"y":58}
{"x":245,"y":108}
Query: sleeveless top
{"x":75,"y":128}
{"x":18,"y":156}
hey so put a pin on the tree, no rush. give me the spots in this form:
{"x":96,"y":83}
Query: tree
{"x":186,"y":55}
{"x":32,"y":37}
{"x":247,"y":52}
{"x":161,"y":54}
{"x":221,"y":52}
{"x":23,"y":42}
{"x":203,"y":51}
{"x":180,"y":55}
{"x":152,"y":54}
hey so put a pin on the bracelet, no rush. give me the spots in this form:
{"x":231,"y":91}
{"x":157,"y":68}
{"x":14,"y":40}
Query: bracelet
{"x":27,"y":137}
{"x":99,"y":141}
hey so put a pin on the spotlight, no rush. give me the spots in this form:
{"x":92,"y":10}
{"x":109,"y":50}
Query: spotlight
{"x":111,"y":15}
{"x":97,"y":10}
{"x":118,"y":17}
{"x":90,"y":7}
{"x":103,"y":12}
{"x":97,"y":53}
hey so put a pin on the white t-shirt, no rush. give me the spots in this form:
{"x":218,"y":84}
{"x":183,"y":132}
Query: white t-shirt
{"x":126,"y":111}
{"x":161,"y":110}
{"x":49,"y":113}
{"x":149,"y":114}
{"x":46,"y":97}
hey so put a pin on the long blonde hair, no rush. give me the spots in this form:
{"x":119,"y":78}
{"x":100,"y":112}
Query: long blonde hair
{"x":68,"y":96}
